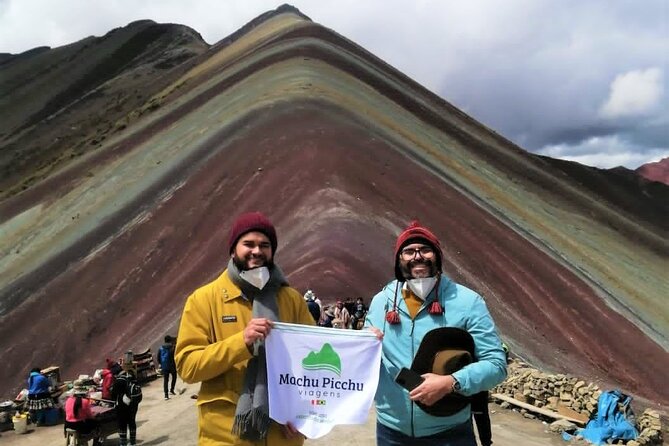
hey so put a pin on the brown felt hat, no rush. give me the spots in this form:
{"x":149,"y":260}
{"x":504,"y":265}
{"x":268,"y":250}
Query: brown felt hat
{"x":444,"y":351}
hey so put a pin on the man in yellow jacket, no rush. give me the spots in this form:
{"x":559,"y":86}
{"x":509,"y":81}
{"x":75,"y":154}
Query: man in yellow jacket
{"x":221,"y":340}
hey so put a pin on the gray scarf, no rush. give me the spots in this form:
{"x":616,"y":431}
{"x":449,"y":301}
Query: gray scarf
{"x":252,"y":413}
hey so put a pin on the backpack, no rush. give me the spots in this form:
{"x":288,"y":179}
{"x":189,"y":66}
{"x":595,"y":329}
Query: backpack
{"x":134,"y":392}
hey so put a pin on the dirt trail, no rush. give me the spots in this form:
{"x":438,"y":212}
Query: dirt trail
{"x":174,"y":422}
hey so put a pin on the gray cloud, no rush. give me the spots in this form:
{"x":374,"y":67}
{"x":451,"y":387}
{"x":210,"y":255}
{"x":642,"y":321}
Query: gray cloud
{"x":580,"y":80}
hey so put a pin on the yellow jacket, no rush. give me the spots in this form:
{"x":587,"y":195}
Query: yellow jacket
{"x":210,"y":344}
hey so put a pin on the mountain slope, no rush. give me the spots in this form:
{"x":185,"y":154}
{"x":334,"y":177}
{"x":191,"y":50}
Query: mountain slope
{"x":58,"y":104}
{"x":341,"y":151}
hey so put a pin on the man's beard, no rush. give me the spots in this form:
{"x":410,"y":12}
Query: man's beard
{"x":406,"y":268}
{"x":241,"y":264}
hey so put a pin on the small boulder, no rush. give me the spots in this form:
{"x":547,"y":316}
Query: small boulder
{"x":560,"y":426}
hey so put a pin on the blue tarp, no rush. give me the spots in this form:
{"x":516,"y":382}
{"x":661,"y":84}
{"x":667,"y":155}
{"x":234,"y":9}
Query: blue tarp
{"x":611,"y":421}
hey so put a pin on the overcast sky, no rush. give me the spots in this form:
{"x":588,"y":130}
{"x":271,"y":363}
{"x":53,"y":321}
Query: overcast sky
{"x":572,"y":79}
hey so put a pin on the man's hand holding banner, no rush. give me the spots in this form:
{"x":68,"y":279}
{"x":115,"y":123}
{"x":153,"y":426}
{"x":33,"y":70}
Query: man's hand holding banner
{"x":320,"y":377}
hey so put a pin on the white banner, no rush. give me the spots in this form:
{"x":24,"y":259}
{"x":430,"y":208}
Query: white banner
{"x":320,"y":377}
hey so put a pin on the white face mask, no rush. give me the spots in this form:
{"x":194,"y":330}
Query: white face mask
{"x":422,"y":287}
{"x":258,"y":277}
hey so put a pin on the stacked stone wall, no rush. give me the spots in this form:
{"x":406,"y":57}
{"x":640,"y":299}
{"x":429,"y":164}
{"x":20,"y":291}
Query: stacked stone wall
{"x":569,"y":396}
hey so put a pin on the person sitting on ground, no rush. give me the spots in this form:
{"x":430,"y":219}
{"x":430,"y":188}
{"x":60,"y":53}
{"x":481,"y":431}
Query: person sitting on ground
{"x":78,"y":413}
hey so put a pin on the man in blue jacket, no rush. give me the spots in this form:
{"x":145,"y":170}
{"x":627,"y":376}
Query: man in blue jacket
{"x":167,"y":365}
{"x":422,"y":299}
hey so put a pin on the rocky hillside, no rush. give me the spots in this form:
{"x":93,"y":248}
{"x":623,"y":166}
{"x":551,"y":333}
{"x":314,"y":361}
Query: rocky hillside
{"x":58,"y":104}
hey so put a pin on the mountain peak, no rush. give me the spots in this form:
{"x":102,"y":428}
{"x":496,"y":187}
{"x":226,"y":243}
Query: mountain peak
{"x":656,"y":171}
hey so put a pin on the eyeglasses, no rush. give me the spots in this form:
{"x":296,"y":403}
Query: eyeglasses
{"x":410,"y":253}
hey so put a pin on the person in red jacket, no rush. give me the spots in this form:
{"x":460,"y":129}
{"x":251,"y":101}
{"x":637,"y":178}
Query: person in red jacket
{"x":107,"y":382}
{"x":78,"y":413}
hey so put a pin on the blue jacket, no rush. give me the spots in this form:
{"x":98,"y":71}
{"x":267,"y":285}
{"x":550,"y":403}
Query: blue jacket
{"x":37,"y":383}
{"x":463,"y":308}
{"x":166,"y":358}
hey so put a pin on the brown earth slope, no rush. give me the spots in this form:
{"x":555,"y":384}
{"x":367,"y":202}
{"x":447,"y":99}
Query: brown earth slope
{"x":341,"y":151}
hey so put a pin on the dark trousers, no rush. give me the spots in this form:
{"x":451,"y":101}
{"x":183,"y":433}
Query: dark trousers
{"x":462,"y":435}
{"x":483,"y":427}
{"x":482,"y":417}
{"x":166,"y":377}
{"x":126,"y":423}
{"x":83,"y":427}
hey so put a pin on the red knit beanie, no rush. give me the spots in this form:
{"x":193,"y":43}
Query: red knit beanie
{"x":412,"y":234}
{"x":252,"y":221}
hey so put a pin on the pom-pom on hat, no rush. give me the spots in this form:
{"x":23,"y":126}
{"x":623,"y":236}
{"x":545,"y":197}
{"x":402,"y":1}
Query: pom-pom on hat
{"x":252,"y":221}
{"x":412,"y":234}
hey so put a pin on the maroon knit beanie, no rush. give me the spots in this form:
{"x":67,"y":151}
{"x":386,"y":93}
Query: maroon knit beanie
{"x":412,"y":234}
{"x":252,"y":221}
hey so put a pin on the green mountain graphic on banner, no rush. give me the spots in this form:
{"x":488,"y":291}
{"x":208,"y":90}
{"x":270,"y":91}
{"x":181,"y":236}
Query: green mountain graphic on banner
{"x":326,"y":359}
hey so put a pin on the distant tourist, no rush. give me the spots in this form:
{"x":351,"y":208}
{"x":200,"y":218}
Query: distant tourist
{"x":422,"y":300}
{"x":349,"y":305}
{"x":313,"y":307}
{"x":127,"y":394}
{"x":342,"y":316}
{"x":39,"y":396}
{"x":221,"y":339}
{"x":327,"y":317}
{"x":311,"y":295}
{"x":114,"y":366}
{"x":359,"y":312}
{"x":107,"y":383}
{"x":167,"y":365}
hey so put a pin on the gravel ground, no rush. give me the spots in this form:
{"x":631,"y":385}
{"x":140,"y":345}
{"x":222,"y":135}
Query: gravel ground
{"x":174,"y":422}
